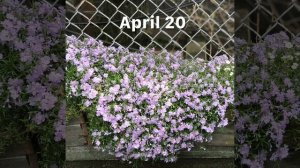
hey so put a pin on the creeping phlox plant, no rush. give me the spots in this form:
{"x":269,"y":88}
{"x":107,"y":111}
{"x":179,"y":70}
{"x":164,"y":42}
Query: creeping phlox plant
{"x":147,"y":106}
{"x":267,"y":97}
{"x":32,"y":50}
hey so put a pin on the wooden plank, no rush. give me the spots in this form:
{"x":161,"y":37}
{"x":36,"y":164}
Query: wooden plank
{"x":180,"y":163}
{"x":86,"y":153}
{"x":15,"y":150}
{"x":221,"y":140}
{"x":14,"y":162}
{"x":18,"y":151}
{"x":83,"y":125}
{"x":209,"y":152}
{"x":89,"y":153}
{"x":74,"y":122}
{"x":31,"y":156}
{"x":222,"y":146}
{"x":74,"y":136}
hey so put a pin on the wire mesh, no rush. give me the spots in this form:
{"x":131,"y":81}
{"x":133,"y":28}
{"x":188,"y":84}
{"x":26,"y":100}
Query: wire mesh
{"x":256,"y":19}
{"x":208,"y":32}
{"x":210,"y":26}
{"x":53,"y":3}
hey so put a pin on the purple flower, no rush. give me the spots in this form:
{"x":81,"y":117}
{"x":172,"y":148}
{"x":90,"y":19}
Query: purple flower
{"x":144,"y":98}
{"x":55,"y":77}
{"x":244,"y":150}
{"x":39,"y":118}
{"x":115,"y":89}
{"x":281,"y":153}
{"x":265,"y":98}
{"x":92,"y":94}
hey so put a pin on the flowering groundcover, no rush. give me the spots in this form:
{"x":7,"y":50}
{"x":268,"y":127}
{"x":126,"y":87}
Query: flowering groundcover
{"x":143,"y":105}
{"x":32,"y":50}
{"x":266,"y":98}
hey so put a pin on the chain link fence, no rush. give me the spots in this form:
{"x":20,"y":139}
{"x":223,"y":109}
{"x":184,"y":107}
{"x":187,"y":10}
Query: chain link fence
{"x":53,"y":3}
{"x":210,"y":24}
{"x":254,"y":19}
{"x":208,"y":32}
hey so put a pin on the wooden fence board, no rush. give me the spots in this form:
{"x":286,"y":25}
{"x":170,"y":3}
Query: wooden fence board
{"x":222,"y":147}
{"x":14,"y":162}
{"x":19,"y":154}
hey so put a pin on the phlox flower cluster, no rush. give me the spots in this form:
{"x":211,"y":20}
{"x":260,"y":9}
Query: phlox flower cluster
{"x":267,"y":97}
{"x":32,"y":67}
{"x":144,"y":105}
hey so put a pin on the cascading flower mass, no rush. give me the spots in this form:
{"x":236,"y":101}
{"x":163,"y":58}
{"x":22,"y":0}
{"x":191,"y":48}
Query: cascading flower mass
{"x":144,"y":105}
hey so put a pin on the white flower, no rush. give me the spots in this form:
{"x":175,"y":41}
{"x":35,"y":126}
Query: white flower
{"x":97,"y":79}
{"x":97,"y":143}
{"x":287,"y":57}
{"x":294,"y":66}
{"x":288,"y":45}
{"x":271,"y":56}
